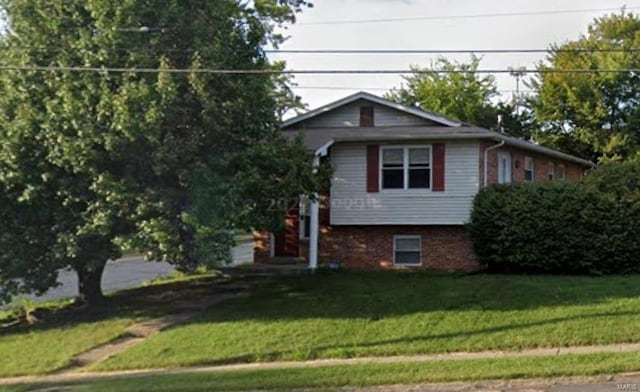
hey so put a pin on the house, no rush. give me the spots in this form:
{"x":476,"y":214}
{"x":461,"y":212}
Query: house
{"x":403,"y":185}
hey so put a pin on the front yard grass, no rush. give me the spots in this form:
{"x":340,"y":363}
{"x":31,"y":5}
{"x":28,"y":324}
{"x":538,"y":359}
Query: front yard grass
{"x":339,"y":315}
{"x":64,"y":332}
{"x":368,"y":374}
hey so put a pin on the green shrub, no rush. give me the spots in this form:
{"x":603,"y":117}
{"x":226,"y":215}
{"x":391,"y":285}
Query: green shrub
{"x":555,"y":228}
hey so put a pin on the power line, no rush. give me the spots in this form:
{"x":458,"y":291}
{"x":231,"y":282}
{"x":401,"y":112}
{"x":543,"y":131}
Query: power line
{"x":449,"y":51}
{"x":468,"y":16}
{"x":300,"y":71}
{"x":349,"y":51}
{"x":363,"y":88}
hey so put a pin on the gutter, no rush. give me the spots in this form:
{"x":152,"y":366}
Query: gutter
{"x":486,"y":159}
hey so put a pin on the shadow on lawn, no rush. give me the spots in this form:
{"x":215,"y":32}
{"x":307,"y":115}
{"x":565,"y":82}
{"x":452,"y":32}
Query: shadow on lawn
{"x":317,"y":351}
{"x":387,"y":294}
{"x":141,"y":302}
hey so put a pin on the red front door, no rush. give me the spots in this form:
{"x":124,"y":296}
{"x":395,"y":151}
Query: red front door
{"x":286,"y":242}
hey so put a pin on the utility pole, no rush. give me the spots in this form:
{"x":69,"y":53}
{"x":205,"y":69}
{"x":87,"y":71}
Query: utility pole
{"x":517,"y":73}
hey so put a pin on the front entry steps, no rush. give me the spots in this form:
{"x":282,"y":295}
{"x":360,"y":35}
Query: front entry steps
{"x":267,"y":270}
{"x":286,"y":260}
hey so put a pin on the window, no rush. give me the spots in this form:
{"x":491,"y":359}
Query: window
{"x":552,"y":172}
{"x":305,"y":218}
{"x":562,"y":173}
{"x":504,"y":167}
{"x":406,"y":168}
{"x":393,"y":168}
{"x":407,"y":250}
{"x":366,"y":116}
{"x":529,"y":169}
{"x":419,"y":168}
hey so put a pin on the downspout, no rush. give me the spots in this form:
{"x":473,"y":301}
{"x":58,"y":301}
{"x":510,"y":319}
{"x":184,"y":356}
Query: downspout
{"x":486,"y":161}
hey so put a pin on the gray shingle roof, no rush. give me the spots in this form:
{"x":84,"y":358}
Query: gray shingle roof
{"x":316,"y":138}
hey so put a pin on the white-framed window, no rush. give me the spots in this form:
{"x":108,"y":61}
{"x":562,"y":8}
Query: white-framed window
{"x":405,"y":167}
{"x":551,"y":175}
{"x":407,"y":250}
{"x":305,"y":218}
{"x":562,"y":173}
{"x":504,"y":167}
{"x":529,"y":169}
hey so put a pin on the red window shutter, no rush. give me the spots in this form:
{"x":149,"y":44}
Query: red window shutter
{"x":373,"y":168}
{"x":438,"y":167}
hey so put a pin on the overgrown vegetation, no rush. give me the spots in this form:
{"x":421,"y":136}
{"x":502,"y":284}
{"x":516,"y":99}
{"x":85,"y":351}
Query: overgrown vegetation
{"x":588,"y":227}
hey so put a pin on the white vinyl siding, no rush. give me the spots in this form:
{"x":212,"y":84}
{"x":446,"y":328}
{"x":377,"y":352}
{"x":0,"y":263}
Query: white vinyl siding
{"x":352,"y":205}
{"x":349,"y":116}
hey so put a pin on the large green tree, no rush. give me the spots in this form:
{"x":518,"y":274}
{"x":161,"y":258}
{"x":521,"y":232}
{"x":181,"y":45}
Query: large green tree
{"x":460,"y":92}
{"x":170,"y":161}
{"x":593,"y":114}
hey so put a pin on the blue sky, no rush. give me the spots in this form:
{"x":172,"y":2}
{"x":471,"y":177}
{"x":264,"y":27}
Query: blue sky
{"x":513,"y":32}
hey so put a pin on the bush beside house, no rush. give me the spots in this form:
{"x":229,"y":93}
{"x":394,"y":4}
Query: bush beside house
{"x":589,"y":227}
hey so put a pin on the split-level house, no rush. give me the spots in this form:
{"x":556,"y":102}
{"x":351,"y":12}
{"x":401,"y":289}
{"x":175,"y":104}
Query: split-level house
{"x":402,"y":187}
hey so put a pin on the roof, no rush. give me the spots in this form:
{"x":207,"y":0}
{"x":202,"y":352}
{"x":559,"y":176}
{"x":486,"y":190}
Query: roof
{"x":375,"y":99}
{"x":315,"y":139}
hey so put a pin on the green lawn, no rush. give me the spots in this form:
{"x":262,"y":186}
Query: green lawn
{"x":371,"y":374}
{"x":379,"y":314}
{"x":62,"y":333}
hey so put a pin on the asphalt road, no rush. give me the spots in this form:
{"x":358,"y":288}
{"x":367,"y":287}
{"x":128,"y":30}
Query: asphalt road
{"x":127,"y":273}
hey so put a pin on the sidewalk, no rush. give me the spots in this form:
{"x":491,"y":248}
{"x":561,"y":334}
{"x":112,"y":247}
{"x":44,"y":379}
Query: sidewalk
{"x":81,"y":376}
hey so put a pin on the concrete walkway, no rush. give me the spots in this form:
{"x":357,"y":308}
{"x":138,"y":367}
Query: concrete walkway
{"x":77,"y":376}
{"x":138,"y":333}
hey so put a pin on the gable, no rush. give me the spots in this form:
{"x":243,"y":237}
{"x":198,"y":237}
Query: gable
{"x":347,"y":113}
{"x":349,"y":116}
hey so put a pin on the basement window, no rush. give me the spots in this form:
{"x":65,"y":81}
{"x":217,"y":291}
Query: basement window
{"x":407,"y":250}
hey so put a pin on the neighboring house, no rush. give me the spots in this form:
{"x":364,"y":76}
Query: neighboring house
{"x":403,"y":185}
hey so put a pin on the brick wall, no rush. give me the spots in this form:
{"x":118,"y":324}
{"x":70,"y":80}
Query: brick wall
{"x":446,"y":248}
{"x":542,"y":164}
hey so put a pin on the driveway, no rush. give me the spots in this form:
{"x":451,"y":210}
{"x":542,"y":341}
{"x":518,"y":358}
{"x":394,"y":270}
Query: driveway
{"x":129,"y":272}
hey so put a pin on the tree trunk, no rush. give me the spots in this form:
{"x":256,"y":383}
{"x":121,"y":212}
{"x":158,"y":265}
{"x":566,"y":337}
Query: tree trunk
{"x":89,"y":283}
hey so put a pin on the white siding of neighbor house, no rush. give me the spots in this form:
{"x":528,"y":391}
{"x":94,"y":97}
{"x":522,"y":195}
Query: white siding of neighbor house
{"x":352,"y":205}
{"x":349,"y":116}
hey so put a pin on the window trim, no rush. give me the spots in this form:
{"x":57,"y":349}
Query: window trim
{"x":533,"y":169}
{"x":405,"y":167}
{"x":304,"y":214}
{"x":407,"y":237}
{"x":562,"y":169}
{"x":551,"y":173}
{"x":509,"y":174}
